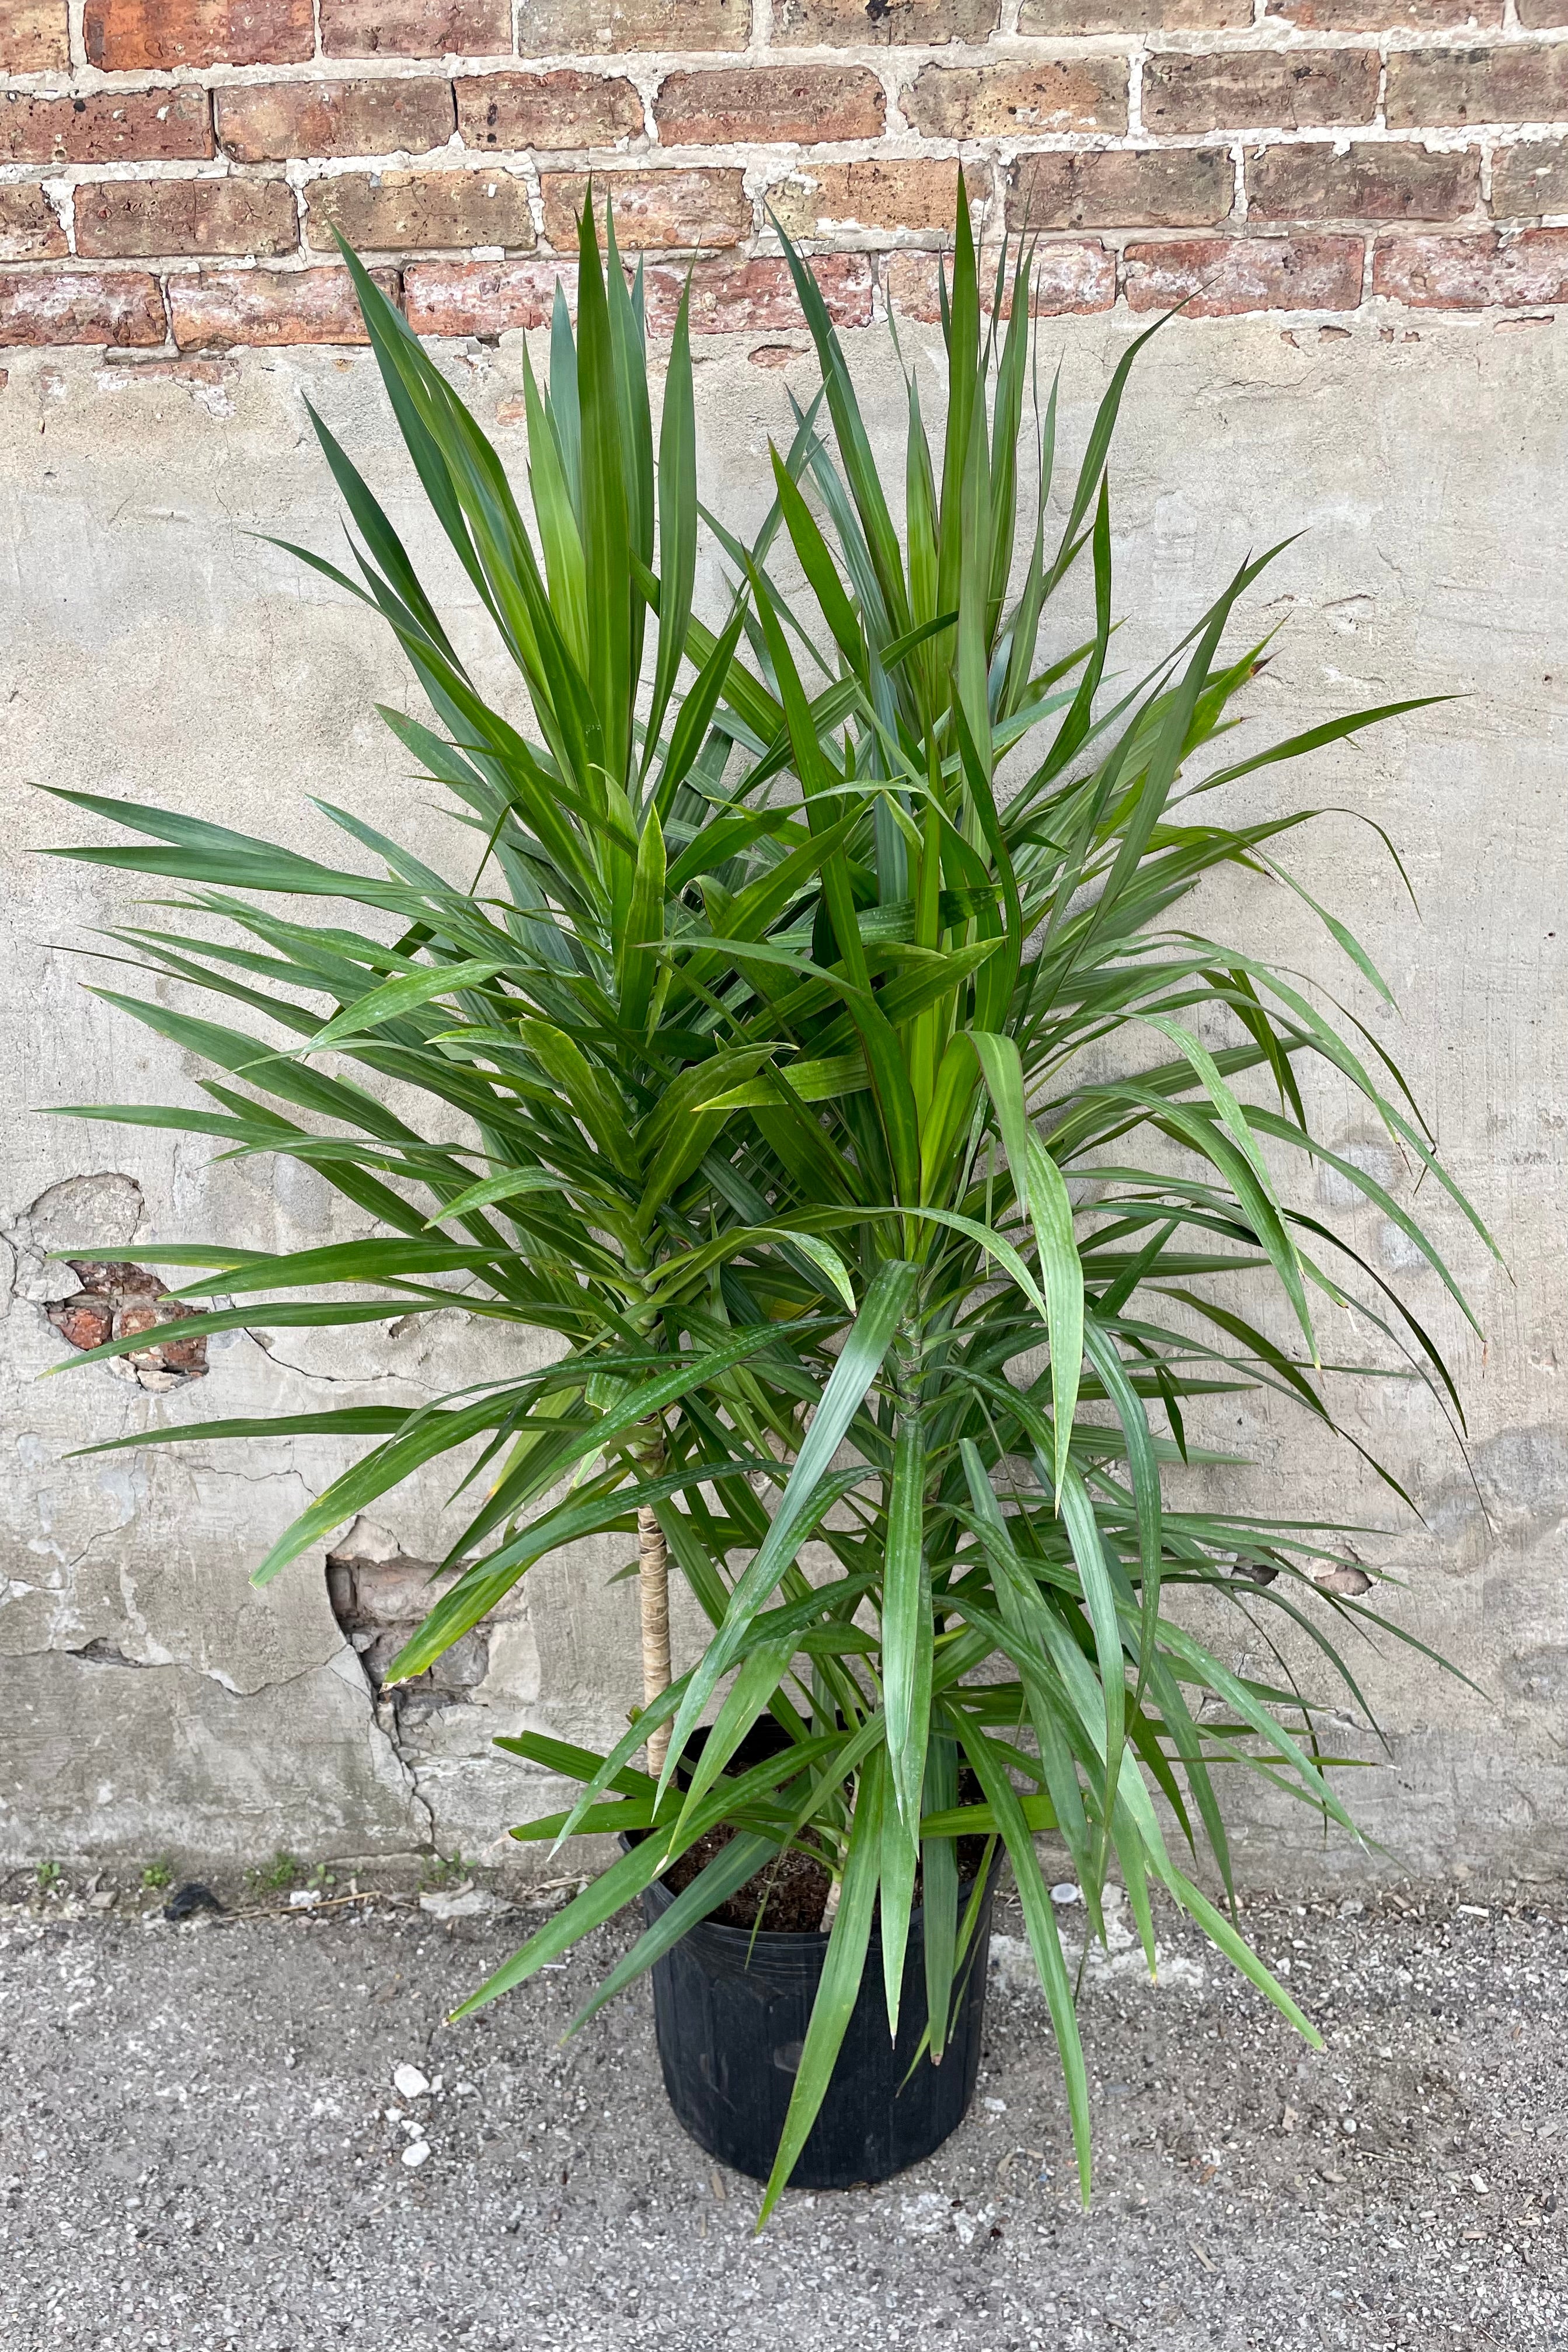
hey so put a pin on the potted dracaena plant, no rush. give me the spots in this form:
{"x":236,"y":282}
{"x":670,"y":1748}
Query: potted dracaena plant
{"x":776,"y":1032}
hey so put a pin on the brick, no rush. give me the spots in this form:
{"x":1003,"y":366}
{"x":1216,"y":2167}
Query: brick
{"x":1508,"y":85}
{"x":30,"y":226}
{"x":133,"y":36}
{"x":1083,"y":93}
{"x":1301,"y":89}
{"x":378,"y":212}
{"x":220,"y":306}
{"x":415,"y":29}
{"x":267,"y":122}
{"x":114,"y":1279}
{"x":1536,"y":16}
{"x":1473,"y":273}
{"x":547,"y":112}
{"x":727,"y":296}
{"x":1532,"y":177}
{"x":188,"y":1356}
{"x":745,"y":297}
{"x":549,"y":28}
{"x":1375,"y":15}
{"x":652,"y":208}
{"x":819,"y":199}
{"x":120,"y":307}
{"x":164,"y":126}
{"x":118,"y":218}
{"x":482,"y":298}
{"x":1371,"y":182}
{"x":32,"y":35}
{"x":1067,"y":277}
{"x":858,"y":23}
{"x":85,"y":1322}
{"x":1052,"y":18}
{"x":768,"y":102}
{"x":1220,"y":277}
{"x":1168,"y":188}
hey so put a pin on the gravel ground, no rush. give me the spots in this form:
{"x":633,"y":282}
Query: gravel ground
{"x":202,"y":2146}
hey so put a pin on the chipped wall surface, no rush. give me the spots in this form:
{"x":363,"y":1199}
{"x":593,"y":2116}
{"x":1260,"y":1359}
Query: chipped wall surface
{"x":155,"y":646}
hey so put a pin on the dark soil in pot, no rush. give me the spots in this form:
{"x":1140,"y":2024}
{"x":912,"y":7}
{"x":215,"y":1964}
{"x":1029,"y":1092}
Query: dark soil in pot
{"x":790,"y":1894}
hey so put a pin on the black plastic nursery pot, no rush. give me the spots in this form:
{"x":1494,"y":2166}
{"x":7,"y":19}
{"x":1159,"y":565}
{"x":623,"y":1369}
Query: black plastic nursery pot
{"x":731,"y":2010}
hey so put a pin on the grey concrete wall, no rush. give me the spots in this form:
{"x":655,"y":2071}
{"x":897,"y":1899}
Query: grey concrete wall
{"x":153,"y":647}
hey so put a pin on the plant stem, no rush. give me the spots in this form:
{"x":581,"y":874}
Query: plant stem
{"x":653,"y":1589}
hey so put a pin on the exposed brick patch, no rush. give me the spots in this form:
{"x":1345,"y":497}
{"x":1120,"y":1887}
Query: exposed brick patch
{"x":115,"y":1302}
{"x":857,"y":22}
{"x":1530,"y":177}
{"x":1067,"y":277}
{"x":482,"y":298}
{"x":1056,"y":16}
{"x":119,"y":218}
{"x":1521,"y":84}
{"x":548,"y":111}
{"x":1302,"y":89}
{"x":551,"y":28}
{"x":32,"y":35}
{"x":820,"y":198}
{"x":219,"y":307}
{"x":269,"y":122}
{"x":652,"y":208}
{"x":1085,"y":93}
{"x":1371,"y":15}
{"x":79,"y":306}
{"x":1220,"y":278}
{"x":382,"y":212}
{"x":769,"y":102}
{"x":1170,"y":187}
{"x":1372,"y":182}
{"x":1473,"y":273}
{"x":110,"y":127}
{"x":415,"y":29}
{"x":745,"y":297}
{"x":1540,"y":16}
{"x":30,"y":226}
{"x":132,"y":36}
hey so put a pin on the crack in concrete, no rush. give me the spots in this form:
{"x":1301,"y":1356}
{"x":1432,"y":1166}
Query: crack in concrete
{"x":98,"y":1653}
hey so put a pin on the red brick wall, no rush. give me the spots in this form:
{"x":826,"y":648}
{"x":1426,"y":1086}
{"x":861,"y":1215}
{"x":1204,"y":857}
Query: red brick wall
{"x":172,"y":172}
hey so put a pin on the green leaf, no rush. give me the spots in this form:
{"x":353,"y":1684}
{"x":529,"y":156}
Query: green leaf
{"x":676,"y":519}
{"x":736,"y":1860}
{"x":1038,"y":1178}
{"x":839,"y":1988}
{"x":859,"y":1361}
{"x":907,"y":1624}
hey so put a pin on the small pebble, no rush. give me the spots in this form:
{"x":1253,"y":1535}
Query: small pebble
{"x":408,"y":2082}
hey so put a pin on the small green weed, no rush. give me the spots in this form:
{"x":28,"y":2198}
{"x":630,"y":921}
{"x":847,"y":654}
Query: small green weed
{"x":284,"y":1870}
